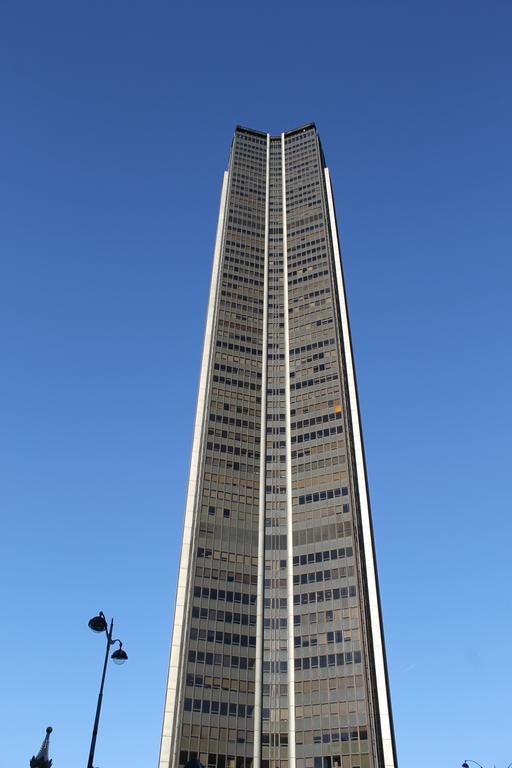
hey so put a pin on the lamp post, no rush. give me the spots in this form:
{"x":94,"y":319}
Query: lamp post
{"x":465,"y":764}
{"x":99,"y":624}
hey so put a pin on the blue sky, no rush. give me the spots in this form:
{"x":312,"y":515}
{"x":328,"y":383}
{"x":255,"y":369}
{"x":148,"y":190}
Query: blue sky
{"x":116,"y":120}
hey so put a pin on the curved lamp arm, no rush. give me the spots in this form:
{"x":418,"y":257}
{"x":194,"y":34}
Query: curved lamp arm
{"x":465,"y":764}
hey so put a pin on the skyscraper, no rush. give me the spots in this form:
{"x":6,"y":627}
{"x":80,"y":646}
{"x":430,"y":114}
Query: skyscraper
{"x":277,"y":656}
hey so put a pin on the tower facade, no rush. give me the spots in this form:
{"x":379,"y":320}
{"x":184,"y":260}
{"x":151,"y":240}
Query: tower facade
{"x":277,"y":656}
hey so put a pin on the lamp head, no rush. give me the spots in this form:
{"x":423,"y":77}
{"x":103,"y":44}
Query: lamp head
{"x":119,"y":656}
{"x":98,"y":623}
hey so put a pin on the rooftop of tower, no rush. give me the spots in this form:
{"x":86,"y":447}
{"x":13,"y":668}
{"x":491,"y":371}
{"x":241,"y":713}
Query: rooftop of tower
{"x":253,"y":132}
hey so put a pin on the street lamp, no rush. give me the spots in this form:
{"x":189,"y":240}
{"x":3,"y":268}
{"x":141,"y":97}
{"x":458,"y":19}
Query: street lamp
{"x":99,"y":624}
{"x":465,"y":764}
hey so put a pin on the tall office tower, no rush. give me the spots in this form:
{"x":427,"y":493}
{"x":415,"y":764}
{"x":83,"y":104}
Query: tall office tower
{"x":277,"y":657}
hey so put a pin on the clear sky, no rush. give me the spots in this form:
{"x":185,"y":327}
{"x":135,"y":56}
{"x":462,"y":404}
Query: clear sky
{"x":115,"y":125}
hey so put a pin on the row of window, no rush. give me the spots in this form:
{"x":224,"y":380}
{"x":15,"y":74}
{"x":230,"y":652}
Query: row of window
{"x":275,"y":666}
{"x":279,"y":623}
{"x":319,"y":557}
{"x":333,"y":761}
{"x":299,"y":202}
{"x":224,"y":595}
{"x":222,"y":323}
{"x":323,"y":595}
{"x":274,"y":739}
{"x":213,"y":760}
{"x":229,"y":406}
{"x":247,"y":273}
{"x":313,"y":382}
{"x":302,"y":231}
{"x":232,"y":421}
{"x":235,"y":466}
{"x":249,"y":145}
{"x":246,"y":166}
{"x":318,"y":617}
{"x":276,"y":417}
{"x":252,"y":232}
{"x":225,"y":557}
{"x":237,"y":383}
{"x":275,"y":602}
{"x":218,"y":530}
{"x":308,"y":219}
{"x":221,"y":660}
{"x":301,"y":248}
{"x":228,"y":617}
{"x":306,"y":366}
{"x":321,"y":419}
{"x":318,"y":576}
{"x":241,"y":337}
{"x":249,"y":437}
{"x":328,"y":660}
{"x":244,"y":246}
{"x":317,"y":434}
{"x":275,"y":490}
{"x":209,"y":682}
{"x":233,"y":450}
{"x":330,"y":461}
{"x":303,"y":297}
{"x":250,"y":215}
{"x":334,"y":446}
{"x":317,"y":246}
{"x":248,"y":188}
{"x":306,"y":278}
{"x":331,"y":637}
{"x":252,"y":322}
{"x":305,"y":160}
{"x":235,"y":275}
{"x":216,"y":575}
{"x":322,"y":533}
{"x":305,"y":406}
{"x":332,"y":493}
{"x":244,"y":492}
{"x":249,"y":311}
{"x":222,"y":708}
{"x":326,"y":737}
{"x":296,"y":263}
{"x":254,"y":263}
{"x":226,"y":638}
{"x":213,"y":510}
{"x":243,"y":297}
{"x":233,"y":369}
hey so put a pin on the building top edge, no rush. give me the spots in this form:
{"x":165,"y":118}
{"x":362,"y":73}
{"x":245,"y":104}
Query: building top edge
{"x":253,"y":132}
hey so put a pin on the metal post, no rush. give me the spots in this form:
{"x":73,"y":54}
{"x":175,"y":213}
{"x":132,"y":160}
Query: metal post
{"x":100,"y":698}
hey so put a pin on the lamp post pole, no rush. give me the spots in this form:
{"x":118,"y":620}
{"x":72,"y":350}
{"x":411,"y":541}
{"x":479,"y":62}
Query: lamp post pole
{"x":100,"y":698}
{"x":465,"y":764}
{"x":99,"y":624}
